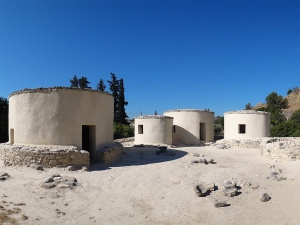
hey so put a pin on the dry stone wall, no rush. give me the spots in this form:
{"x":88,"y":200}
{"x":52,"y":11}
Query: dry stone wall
{"x":279,"y":148}
{"x":46,"y":156}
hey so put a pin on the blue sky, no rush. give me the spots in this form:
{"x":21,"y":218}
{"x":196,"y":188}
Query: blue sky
{"x":216,"y":55}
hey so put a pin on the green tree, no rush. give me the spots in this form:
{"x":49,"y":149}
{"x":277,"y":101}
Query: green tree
{"x":290,"y":91}
{"x":276,"y":102}
{"x":248,"y":106}
{"x":84,"y":83}
{"x":101,"y":86}
{"x":114,"y":88}
{"x":74,"y":82}
{"x":3,"y":120}
{"x":121,"y":112}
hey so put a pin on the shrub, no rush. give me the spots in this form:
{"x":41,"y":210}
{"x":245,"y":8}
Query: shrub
{"x":122,"y":131}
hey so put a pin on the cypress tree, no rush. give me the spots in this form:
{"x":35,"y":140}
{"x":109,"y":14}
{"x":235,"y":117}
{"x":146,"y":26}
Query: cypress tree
{"x":83,"y":83}
{"x":121,"y":113}
{"x":101,"y":86}
{"x":74,"y":82}
{"x":114,"y":88}
{"x":3,"y":120}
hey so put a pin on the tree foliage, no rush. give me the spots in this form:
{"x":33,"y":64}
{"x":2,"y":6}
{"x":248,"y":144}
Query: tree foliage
{"x":121,"y":112}
{"x":122,"y":131}
{"x":3,"y":120}
{"x":82,"y":82}
{"x":118,"y":91}
{"x":248,"y":106}
{"x":101,"y":86}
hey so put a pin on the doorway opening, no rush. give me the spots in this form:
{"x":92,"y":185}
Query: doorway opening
{"x":202,"y":131}
{"x":11,"y":136}
{"x":89,"y":139}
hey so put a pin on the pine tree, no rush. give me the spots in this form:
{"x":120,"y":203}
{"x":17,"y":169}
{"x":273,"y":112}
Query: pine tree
{"x":101,"y":86}
{"x":114,"y":88}
{"x":74,"y":82}
{"x":83,"y":83}
{"x":121,"y":112}
{"x":3,"y":120}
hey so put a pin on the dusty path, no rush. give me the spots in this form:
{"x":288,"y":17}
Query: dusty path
{"x":145,"y":188}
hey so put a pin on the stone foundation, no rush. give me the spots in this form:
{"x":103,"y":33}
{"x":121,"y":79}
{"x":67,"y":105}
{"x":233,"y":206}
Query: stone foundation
{"x":281,"y":148}
{"x":46,"y":156}
{"x":110,"y":153}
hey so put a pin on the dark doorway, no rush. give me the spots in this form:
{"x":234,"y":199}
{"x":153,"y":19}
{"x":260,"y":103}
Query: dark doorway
{"x":12,"y":136}
{"x":202,"y":132}
{"x":89,"y":139}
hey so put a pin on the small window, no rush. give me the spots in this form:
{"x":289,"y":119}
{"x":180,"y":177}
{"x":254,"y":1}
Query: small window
{"x":140,"y":129}
{"x":242,"y":128}
{"x":174,"y":128}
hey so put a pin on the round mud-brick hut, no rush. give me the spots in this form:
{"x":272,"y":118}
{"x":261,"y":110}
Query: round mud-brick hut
{"x":192,"y":126}
{"x":246,"y":124}
{"x":61,"y":116}
{"x":153,"y":130}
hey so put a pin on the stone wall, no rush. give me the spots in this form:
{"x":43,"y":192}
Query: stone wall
{"x":280,"y":148}
{"x":46,"y":156}
{"x":110,"y":153}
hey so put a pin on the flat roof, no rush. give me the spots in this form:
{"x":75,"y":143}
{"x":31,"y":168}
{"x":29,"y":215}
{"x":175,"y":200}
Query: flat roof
{"x":60,"y":88}
{"x":189,"y":110}
{"x":247,"y":112}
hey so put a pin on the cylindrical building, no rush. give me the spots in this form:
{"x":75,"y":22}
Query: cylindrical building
{"x":153,"y":130}
{"x":192,"y":126}
{"x":246,"y":124}
{"x":61,"y":116}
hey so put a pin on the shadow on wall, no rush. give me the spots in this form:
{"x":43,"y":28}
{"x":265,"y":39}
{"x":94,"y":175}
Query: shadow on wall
{"x":183,"y":136}
{"x":134,"y":156}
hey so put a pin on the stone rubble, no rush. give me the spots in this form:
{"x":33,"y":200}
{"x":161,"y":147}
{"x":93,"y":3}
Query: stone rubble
{"x":3,"y":175}
{"x":276,"y":148}
{"x":58,"y":181}
{"x":264,"y":197}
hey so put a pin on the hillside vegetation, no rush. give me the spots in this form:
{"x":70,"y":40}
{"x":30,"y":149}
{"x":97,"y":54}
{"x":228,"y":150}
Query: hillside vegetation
{"x":285,"y":113}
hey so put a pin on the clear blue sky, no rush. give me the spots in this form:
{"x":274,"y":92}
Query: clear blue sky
{"x":171,"y":54}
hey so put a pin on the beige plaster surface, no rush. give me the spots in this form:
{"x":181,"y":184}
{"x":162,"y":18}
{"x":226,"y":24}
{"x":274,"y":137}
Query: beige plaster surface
{"x":187,"y":124}
{"x":56,"y":116}
{"x":257,"y":124}
{"x":156,"y":130}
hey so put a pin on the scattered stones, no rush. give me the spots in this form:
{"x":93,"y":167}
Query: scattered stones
{"x":211,"y":161}
{"x":162,"y":149}
{"x":230,"y":188}
{"x":39,"y":167}
{"x":242,"y":183}
{"x":229,"y":184}
{"x":281,"y":178}
{"x":48,"y":185}
{"x":264,"y":197}
{"x":204,"y":189}
{"x":3,"y":175}
{"x":230,"y":192}
{"x":218,"y":203}
{"x":197,"y":155}
{"x":58,"y":181}
{"x":71,"y":168}
{"x":84,"y":168}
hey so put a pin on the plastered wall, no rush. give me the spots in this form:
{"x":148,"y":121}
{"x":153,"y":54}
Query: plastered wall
{"x":188,"y":128}
{"x":257,"y":124}
{"x":55,"y":116}
{"x":153,"y":130}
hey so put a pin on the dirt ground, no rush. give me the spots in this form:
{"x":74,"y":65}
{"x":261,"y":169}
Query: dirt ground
{"x":146,"y":188}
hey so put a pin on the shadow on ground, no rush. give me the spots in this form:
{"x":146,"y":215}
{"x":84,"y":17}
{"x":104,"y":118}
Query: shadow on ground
{"x":133,"y":156}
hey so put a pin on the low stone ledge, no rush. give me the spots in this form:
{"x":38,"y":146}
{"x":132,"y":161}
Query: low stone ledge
{"x":279,"y":148}
{"x":46,"y":156}
{"x":109,"y":153}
